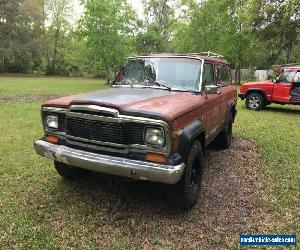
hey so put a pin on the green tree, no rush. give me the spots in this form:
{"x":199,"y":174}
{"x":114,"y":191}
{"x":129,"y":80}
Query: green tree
{"x":218,"y":26}
{"x":278,"y":23}
{"x":76,"y":56}
{"x":161,"y":17}
{"x":57,"y":27}
{"x":20,"y":45}
{"x":107,"y":27}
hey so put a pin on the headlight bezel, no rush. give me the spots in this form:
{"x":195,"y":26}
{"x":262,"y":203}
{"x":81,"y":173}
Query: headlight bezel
{"x":51,"y":121}
{"x":156,"y":131}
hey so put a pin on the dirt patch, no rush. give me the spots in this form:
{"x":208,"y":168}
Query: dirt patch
{"x":28,"y":98}
{"x":231,"y":202}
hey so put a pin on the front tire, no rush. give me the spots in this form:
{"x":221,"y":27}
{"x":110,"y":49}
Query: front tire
{"x":186,"y":191}
{"x":255,"y":101}
{"x":69,"y":172}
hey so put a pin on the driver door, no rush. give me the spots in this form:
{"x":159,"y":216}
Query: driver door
{"x":213,"y":102}
{"x":282,"y":88}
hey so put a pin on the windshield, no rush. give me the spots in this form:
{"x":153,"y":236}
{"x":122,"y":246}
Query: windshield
{"x":172,"y":73}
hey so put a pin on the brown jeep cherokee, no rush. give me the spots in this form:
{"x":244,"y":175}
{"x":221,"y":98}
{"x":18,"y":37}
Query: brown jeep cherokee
{"x":153,"y":124}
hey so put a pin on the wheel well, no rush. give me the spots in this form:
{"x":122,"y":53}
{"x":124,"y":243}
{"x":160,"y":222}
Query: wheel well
{"x":201,"y":139}
{"x":256,"y":91}
{"x":233,"y":113}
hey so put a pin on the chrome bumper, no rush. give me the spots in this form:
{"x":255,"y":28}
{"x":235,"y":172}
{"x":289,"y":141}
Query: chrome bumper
{"x":140,"y":170}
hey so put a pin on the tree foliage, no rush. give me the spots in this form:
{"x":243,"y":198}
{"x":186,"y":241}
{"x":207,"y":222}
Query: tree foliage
{"x":56,"y":34}
{"x":38,"y":36}
{"x":20,"y":46}
{"x":107,"y":27}
{"x":158,"y":26}
{"x":278,"y":23}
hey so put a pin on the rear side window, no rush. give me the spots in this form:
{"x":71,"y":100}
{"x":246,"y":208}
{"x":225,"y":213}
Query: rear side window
{"x":208,"y":74}
{"x":297,"y":77}
{"x":222,"y":74}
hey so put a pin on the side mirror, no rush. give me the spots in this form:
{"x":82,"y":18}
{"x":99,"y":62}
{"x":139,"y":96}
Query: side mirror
{"x":274,"y":80}
{"x":112,"y":82}
{"x":211,"y":89}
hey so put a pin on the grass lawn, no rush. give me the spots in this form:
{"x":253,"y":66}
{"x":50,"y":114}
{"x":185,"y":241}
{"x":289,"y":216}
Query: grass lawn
{"x":276,"y":130}
{"x":40,"y":210}
{"x":47,"y":85}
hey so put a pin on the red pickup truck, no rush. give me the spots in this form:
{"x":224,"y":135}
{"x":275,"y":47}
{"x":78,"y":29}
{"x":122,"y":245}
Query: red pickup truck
{"x":153,"y":124}
{"x":284,"y":90}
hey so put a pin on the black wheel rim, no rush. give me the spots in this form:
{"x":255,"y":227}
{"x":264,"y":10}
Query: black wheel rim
{"x":195,"y":174}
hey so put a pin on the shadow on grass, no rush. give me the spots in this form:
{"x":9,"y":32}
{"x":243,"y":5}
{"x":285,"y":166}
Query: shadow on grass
{"x":226,"y":205}
{"x":114,"y":193}
{"x":287,"y":109}
{"x":282,"y":110}
{"x":118,"y":193}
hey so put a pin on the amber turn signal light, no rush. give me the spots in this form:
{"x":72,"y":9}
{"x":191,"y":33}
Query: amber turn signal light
{"x":156,"y":157}
{"x":52,"y":139}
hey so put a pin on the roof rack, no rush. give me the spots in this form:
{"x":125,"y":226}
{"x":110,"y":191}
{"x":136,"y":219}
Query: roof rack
{"x":208,"y":53}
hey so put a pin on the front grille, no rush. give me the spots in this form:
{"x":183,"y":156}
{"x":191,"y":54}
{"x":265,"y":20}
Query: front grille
{"x":61,"y":122}
{"x":120,"y":133}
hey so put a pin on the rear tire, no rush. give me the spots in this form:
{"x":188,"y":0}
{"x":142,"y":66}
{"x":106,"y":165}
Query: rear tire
{"x":69,"y":172}
{"x":185,"y":193}
{"x":255,"y":101}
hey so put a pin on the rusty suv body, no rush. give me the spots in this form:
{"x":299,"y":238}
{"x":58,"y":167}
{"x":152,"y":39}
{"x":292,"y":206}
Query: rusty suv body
{"x":154,"y":123}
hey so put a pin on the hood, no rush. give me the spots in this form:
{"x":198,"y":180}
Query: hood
{"x":263,"y":83}
{"x":145,"y":102}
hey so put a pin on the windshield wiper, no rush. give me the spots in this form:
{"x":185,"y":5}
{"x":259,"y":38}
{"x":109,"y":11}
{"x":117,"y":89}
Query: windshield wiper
{"x":162,"y":85}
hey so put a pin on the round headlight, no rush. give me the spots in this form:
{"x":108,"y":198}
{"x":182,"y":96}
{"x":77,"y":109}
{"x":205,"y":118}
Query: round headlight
{"x":155,"y":136}
{"x":52,"y":121}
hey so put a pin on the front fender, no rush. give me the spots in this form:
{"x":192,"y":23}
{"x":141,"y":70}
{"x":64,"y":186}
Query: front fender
{"x":189,"y":134}
{"x":257,"y":90}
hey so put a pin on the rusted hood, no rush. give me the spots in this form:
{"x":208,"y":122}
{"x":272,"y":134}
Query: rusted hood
{"x":146,"y":102}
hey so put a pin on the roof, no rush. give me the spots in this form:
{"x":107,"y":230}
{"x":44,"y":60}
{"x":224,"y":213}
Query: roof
{"x":206,"y":56}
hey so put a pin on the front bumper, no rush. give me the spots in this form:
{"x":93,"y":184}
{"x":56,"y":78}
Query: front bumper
{"x":242,"y":96}
{"x":140,"y":170}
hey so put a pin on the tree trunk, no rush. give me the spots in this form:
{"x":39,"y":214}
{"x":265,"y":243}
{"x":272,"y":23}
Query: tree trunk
{"x":237,"y":75}
{"x":289,"y":54}
{"x":3,"y":63}
{"x":56,"y":37}
{"x":108,"y":79}
{"x":107,"y":71}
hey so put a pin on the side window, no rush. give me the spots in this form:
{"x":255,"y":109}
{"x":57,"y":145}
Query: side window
{"x":222,"y":75}
{"x":208,"y":74}
{"x":297,"y":77}
{"x":286,"y":77}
